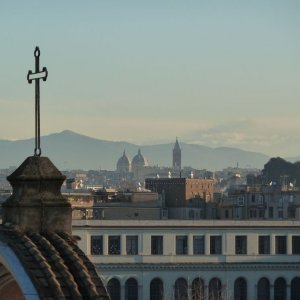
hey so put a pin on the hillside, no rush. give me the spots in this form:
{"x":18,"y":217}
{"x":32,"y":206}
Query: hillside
{"x":69,"y":150}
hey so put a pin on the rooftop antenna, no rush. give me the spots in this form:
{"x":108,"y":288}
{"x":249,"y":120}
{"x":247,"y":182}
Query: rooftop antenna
{"x":39,"y":74}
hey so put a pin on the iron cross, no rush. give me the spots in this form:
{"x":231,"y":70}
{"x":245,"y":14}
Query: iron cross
{"x":39,"y":74}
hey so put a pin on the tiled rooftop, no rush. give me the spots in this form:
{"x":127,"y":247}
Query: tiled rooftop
{"x":55,"y":264}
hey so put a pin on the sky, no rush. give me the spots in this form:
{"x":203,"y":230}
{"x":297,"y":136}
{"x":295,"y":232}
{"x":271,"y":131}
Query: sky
{"x":216,"y":73}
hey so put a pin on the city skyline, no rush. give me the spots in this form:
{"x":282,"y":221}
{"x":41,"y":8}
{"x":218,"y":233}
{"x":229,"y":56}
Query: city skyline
{"x":212,"y":73}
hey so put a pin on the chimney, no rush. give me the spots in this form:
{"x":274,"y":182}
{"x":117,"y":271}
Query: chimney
{"x":37,"y":204}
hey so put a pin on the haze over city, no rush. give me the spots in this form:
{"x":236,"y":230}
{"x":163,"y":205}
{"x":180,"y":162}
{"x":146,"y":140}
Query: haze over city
{"x":216,"y":73}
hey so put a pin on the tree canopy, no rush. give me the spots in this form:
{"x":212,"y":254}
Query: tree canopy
{"x":281,"y":171}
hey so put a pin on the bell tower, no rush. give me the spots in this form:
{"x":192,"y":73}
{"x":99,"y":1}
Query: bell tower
{"x":176,"y":156}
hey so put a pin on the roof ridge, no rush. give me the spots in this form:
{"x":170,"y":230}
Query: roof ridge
{"x":76,"y":267}
{"x":87,"y":263}
{"x":57,"y":265}
{"x":34,"y":260}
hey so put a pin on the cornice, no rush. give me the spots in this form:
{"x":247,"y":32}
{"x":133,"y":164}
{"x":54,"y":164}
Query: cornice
{"x":295,"y":266}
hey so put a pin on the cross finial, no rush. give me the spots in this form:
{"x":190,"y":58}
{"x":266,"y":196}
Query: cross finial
{"x":39,"y":74}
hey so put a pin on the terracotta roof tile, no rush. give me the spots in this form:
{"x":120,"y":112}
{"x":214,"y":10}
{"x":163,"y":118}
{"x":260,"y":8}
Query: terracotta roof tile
{"x":57,"y":267}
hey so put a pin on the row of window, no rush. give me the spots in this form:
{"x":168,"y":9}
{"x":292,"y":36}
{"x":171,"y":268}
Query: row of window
{"x":264,"y":247}
{"x":214,"y":291}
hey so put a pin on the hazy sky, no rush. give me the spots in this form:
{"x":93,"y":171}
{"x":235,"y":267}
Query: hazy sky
{"x":218,"y":73}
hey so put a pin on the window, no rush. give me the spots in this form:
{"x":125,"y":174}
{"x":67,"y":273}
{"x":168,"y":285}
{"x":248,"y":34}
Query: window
{"x":240,"y":289}
{"x":264,"y":244}
{"x":280,"y":244}
{"x":131,"y":289}
{"x":263,"y":289}
{"x":261,"y":213}
{"x":157,"y":245}
{"x":96,"y":245}
{"x":280,"y":289}
{"x":237,"y":213}
{"x":180,"y":289}
{"x":156,"y":289}
{"x":280,"y":214}
{"x":198,"y":289}
{"x":114,"y":289}
{"x":226,"y":214}
{"x":114,"y":245}
{"x":132,"y":245}
{"x":260,"y":200}
{"x":198,"y":244}
{"x":291,"y":212}
{"x":271,"y":212}
{"x":216,"y":245}
{"x":241,"y":244}
{"x":215,"y":289}
{"x":241,"y":201}
{"x":181,"y":244}
{"x":296,"y":244}
{"x":295,"y":291}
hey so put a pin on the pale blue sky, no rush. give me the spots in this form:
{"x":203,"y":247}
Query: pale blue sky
{"x":219,"y":73}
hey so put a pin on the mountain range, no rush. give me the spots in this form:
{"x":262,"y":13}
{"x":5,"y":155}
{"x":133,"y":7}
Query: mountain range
{"x":69,"y":150}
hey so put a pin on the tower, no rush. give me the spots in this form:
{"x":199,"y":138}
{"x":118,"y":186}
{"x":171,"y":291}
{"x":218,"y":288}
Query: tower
{"x":176,"y":156}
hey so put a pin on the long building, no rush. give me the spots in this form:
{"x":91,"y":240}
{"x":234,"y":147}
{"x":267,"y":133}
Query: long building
{"x":203,"y":259}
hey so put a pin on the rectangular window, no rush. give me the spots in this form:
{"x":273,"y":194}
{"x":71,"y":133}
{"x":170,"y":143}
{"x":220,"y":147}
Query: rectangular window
{"x":96,"y":245}
{"x":271,"y":212}
{"x":157,"y":245}
{"x":132,"y":245}
{"x":198,"y":244}
{"x":261,"y":213}
{"x":296,"y":244}
{"x":291,"y":212}
{"x":216,"y":244}
{"x":264,"y":244}
{"x":280,"y":244}
{"x":114,"y":244}
{"x":241,"y":244}
{"x":181,"y":244}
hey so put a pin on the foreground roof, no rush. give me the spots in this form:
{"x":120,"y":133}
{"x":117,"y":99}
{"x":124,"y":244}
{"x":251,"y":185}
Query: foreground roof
{"x":56,"y":266}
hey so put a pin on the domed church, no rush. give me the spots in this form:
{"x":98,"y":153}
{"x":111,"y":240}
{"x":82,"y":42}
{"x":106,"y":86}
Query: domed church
{"x":139,"y":161}
{"x":123,"y":164}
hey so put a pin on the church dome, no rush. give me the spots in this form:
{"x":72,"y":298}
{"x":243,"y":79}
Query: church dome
{"x":139,"y":160}
{"x":123,"y":164}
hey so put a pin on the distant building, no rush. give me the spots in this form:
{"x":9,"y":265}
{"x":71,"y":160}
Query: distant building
{"x":123,"y":164}
{"x":138,"y":164}
{"x":178,"y":192}
{"x":271,"y":202}
{"x":176,"y":157}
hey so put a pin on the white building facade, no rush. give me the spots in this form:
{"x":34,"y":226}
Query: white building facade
{"x":207,"y":259}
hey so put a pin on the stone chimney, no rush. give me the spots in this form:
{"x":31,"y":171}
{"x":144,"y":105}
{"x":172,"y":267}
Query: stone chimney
{"x":37,"y":204}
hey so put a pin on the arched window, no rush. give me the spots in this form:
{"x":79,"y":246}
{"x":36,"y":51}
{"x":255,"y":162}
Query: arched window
{"x":280,"y":289}
{"x":131,"y":289}
{"x":181,"y":289}
{"x":156,"y":289}
{"x":215,"y":289}
{"x":114,"y":290}
{"x":295,"y":288}
{"x":263,"y":289}
{"x":197,"y":289}
{"x":240,"y":289}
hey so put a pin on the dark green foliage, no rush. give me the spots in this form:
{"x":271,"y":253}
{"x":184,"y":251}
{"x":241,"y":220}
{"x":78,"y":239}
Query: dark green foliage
{"x":282,"y":171}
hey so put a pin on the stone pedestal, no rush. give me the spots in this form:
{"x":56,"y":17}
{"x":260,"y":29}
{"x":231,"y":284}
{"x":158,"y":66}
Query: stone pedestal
{"x":36,"y":203}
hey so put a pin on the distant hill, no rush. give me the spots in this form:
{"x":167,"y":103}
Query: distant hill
{"x":69,"y":150}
